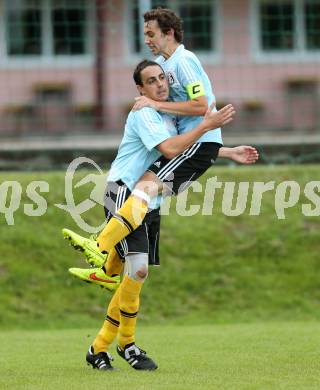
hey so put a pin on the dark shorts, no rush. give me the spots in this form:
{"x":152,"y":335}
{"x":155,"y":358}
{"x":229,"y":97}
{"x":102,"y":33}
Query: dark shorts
{"x":145,"y":239}
{"x":179,"y":172}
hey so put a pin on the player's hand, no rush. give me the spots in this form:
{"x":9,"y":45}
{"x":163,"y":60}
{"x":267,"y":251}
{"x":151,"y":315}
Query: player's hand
{"x":244,"y":154}
{"x":143,"y":101}
{"x":215,"y":119}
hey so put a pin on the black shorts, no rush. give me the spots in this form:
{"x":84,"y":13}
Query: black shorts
{"x":179,"y":172}
{"x":145,"y":239}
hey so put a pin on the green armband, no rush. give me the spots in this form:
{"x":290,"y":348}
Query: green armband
{"x":195,"y":90}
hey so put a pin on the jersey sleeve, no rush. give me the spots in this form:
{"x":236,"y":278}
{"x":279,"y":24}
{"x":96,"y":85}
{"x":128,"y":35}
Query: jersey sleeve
{"x":190,"y":77}
{"x":150,"y":127}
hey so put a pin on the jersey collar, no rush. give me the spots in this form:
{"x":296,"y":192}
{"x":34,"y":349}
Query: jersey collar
{"x":176,"y":53}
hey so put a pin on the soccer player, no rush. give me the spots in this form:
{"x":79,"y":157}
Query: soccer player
{"x":191,"y":91}
{"x":147,"y":134}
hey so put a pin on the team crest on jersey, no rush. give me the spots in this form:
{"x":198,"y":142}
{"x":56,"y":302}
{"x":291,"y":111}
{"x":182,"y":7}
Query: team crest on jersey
{"x":171,"y":78}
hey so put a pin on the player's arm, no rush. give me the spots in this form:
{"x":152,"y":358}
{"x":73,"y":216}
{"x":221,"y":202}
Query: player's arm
{"x":194,"y":107}
{"x":173,"y":146}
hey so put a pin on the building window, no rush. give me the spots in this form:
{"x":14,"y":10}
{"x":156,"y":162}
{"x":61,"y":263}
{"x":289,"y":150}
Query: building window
{"x":199,"y":22}
{"x":69,"y":27}
{"x":312,"y":23}
{"x":136,"y":27}
{"x":289,"y":25}
{"x":46,"y":27}
{"x":277,"y":26}
{"x":23,"y":28}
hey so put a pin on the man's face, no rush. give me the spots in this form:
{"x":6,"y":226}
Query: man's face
{"x":154,"y":38}
{"x":154,"y":83}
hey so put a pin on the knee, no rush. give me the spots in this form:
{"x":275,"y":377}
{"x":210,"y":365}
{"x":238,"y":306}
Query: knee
{"x":150,"y":184}
{"x":142,"y":273}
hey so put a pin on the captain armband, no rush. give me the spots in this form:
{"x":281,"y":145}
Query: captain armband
{"x":195,"y":90}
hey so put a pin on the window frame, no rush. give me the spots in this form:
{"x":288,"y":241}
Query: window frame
{"x":299,"y":53}
{"x":47,"y":57}
{"x":212,"y":56}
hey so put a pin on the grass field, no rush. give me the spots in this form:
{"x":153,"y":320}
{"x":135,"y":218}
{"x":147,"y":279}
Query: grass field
{"x":234,"y":305}
{"x":214,"y":268}
{"x":248,"y":356}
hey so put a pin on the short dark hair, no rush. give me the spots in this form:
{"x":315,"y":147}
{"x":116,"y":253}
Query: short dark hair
{"x":139,"y":68}
{"x":167,"y":20}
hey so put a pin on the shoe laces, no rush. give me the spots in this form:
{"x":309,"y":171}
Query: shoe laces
{"x":141,"y":351}
{"x":134,"y":350}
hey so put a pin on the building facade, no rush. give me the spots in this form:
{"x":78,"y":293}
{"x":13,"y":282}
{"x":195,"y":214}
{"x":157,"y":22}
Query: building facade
{"x":66,"y":65}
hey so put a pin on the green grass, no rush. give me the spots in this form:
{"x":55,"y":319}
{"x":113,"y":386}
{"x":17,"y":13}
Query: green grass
{"x":214,"y":268}
{"x":247,"y":356}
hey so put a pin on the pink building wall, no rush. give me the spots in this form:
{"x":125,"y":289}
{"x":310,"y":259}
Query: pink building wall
{"x":236,"y":75}
{"x":18,"y":83}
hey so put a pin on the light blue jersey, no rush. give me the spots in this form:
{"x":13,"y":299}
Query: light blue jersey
{"x":188,"y":80}
{"x":144,"y":130}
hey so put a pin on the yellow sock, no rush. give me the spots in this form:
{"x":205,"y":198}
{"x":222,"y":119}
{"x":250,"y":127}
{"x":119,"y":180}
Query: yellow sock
{"x":129,"y":306}
{"x":113,"y":264}
{"x":126,"y":220}
{"x":109,"y":329}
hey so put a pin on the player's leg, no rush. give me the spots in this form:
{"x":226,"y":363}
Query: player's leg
{"x":113,"y":266}
{"x":144,"y":239}
{"x":137,"y":271}
{"x":98,"y":356}
{"x":107,"y":277}
{"x":93,"y":255}
{"x":110,"y":326}
{"x":175,"y":175}
{"x":129,"y":302}
{"x":178,"y":175}
{"x":163,"y":173}
{"x":88,"y":246}
{"x":131,"y":214}
{"x":103,"y":274}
